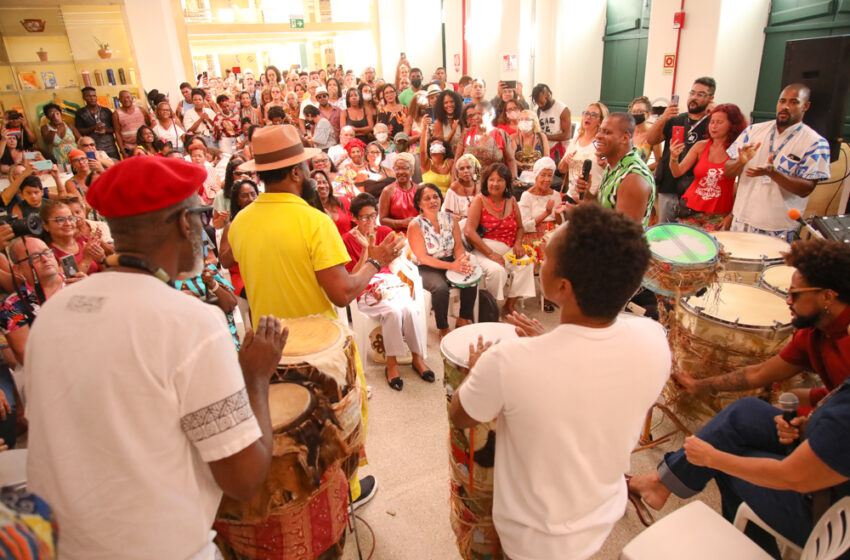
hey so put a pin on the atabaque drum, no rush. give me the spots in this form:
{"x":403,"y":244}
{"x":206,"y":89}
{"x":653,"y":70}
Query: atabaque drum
{"x":684,"y":260}
{"x":749,"y":254}
{"x":472,"y":452}
{"x":777,"y":279}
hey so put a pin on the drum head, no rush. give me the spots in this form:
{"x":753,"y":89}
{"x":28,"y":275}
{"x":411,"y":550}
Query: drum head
{"x":464,"y":280}
{"x":778,"y":277}
{"x":747,"y":305}
{"x":681,"y":244}
{"x":288,"y":404}
{"x":455,"y":345}
{"x":751,"y":246}
{"x":309,"y":335}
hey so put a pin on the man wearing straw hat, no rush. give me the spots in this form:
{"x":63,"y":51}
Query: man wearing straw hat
{"x":290,"y":254}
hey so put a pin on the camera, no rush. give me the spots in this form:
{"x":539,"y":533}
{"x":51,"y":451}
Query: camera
{"x":31,"y":225}
{"x":13,"y":115}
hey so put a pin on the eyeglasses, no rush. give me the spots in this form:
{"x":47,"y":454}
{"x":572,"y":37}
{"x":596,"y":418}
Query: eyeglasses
{"x":204,"y":212}
{"x":794,"y":292}
{"x":368,"y":218}
{"x":87,"y":145}
{"x":64,"y":219}
{"x":699,"y":94}
{"x":591,"y":115}
{"x":44,"y":255}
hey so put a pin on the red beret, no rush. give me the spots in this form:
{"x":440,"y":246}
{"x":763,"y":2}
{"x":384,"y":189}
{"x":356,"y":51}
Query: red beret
{"x":143,"y":184}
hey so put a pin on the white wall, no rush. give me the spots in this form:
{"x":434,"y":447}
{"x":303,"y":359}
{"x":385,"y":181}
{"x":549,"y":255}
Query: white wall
{"x":403,"y":28}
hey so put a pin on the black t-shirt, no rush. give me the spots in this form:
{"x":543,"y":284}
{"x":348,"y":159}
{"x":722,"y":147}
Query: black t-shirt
{"x":828,"y":434}
{"x":695,"y":130}
{"x":104,"y":141}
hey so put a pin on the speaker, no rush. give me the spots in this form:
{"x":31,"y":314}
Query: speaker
{"x":823,"y":64}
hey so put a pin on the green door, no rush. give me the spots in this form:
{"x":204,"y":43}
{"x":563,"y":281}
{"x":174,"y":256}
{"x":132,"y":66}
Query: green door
{"x":624,"y":54}
{"x":789,"y":20}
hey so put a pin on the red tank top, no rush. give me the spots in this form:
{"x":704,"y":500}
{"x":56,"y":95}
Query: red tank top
{"x":401,"y":204}
{"x":712,"y":191}
{"x":498,"y":229}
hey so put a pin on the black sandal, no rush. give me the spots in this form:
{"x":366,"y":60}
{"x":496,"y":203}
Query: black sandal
{"x":396,"y":383}
{"x":426,"y":375}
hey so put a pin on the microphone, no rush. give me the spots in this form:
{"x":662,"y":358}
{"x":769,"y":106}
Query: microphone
{"x":788,"y":403}
{"x":585,"y":174}
{"x":795,"y":215}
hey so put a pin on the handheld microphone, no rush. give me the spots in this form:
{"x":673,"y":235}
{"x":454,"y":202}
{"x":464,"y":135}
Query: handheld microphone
{"x":585,"y":174}
{"x":788,"y":403}
{"x":795,"y":215}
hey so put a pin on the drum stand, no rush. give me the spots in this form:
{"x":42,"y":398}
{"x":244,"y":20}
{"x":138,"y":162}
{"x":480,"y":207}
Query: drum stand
{"x":353,"y":524}
{"x":646,"y":440}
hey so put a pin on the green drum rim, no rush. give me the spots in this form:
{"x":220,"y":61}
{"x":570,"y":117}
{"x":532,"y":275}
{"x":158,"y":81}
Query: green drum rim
{"x":703,"y":248}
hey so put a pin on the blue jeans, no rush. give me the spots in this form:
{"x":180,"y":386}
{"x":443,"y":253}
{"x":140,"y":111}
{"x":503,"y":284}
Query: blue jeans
{"x":745,"y":428}
{"x":8,"y":427}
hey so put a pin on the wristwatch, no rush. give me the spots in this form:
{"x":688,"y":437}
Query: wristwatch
{"x":374,"y":263}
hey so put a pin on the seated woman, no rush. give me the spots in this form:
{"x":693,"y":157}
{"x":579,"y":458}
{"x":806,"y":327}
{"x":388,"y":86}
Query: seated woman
{"x":61,"y":137}
{"x":435,"y":159}
{"x":244,"y":192}
{"x":507,"y":116}
{"x":392,"y":113}
{"x":396,"y":203}
{"x":387,"y":298}
{"x":60,"y":225}
{"x":378,"y":174}
{"x":435,"y":241}
{"x":464,"y":188}
{"x":488,"y":146}
{"x":356,"y":165}
{"x":81,"y":169}
{"x":87,"y":228}
{"x":711,"y":195}
{"x":101,"y":160}
{"x":494,"y":228}
{"x":147,"y":143}
{"x":529,"y":142}
{"x":336,"y":208}
{"x":10,"y":151}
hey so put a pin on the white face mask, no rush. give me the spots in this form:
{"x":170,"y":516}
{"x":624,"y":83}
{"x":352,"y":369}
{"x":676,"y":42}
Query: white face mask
{"x":525,"y":126}
{"x":367,"y":97}
{"x":438,"y":149}
{"x":381,"y":136}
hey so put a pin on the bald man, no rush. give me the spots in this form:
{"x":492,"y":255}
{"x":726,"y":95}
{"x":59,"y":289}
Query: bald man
{"x":779,"y":163}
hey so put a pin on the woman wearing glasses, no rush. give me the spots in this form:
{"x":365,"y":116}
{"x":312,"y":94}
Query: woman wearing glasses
{"x":60,"y":227}
{"x":582,"y":147}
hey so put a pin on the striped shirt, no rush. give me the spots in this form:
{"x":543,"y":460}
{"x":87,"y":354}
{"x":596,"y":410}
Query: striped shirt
{"x":613,"y":176}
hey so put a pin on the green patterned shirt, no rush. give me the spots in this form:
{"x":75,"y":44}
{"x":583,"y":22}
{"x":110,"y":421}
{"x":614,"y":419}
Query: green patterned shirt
{"x":613,"y":176}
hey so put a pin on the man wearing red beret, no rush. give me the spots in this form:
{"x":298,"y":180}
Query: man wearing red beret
{"x":137,"y":429}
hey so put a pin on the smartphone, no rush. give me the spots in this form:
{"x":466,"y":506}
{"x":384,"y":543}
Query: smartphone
{"x":69,"y":266}
{"x":510,"y":84}
{"x":43,"y":165}
{"x":29,"y":155}
{"x":675,"y":99}
{"x":91,"y":155}
{"x":678,"y":134}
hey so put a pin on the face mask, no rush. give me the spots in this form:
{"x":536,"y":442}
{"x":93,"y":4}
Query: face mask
{"x":525,"y":126}
{"x":438,"y":149}
{"x":416,"y":82}
{"x":381,"y":137}
{"x":513,"y":115}
{"x":639,"y":118}
{"x":367,"y":97}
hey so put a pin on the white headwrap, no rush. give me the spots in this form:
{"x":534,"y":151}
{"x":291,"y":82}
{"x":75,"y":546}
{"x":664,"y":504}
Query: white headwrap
{"x":541,"y":164}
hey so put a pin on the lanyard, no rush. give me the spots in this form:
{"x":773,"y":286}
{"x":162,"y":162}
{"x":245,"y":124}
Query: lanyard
{"x":696,"y":124}
{"x":787,"y":138}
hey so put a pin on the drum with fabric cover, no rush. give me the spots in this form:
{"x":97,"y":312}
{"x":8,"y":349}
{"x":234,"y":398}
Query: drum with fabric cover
{"x":729,"y":327}
{"x":471,"y":452}
{"x":749,"y":254}
{"x":684,"y":260}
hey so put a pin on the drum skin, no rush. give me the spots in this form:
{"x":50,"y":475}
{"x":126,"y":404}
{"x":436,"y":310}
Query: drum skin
{"x":749,"y":254}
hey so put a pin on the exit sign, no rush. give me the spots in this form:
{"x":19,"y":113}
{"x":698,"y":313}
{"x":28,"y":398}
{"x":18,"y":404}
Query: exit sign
{"x":296,"y":22}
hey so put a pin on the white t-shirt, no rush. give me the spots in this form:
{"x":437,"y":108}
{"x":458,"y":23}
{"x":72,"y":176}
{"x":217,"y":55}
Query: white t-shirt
{"x":457,"y":204}
{"x":550,"y":120}
{"x":532,"y":205}
{"x":171,"y":134}
{"x":799,"y":152}
{"x":133,"y":387}
{"x":581,"y":153}
{"x":570,"y":405}
{"x":191,"y":117}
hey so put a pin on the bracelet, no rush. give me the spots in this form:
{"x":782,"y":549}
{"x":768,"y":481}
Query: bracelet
{"x":374,"y":263}
{"x":215,"y":288}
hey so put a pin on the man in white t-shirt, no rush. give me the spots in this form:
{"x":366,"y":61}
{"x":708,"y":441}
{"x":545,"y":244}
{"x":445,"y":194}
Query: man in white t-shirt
{"x":555,"y":120}
{"x":570,"y":403}
{"x":779,"y":163}
{"x":138,"y":426}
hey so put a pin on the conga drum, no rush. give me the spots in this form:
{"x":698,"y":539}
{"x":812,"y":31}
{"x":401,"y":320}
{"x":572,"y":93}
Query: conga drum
{"x":749,"y":254}
{"x":684,"y":260}
{"x":471,"y":452}
{"x":777,"y":279}
{"x":729,"y":327}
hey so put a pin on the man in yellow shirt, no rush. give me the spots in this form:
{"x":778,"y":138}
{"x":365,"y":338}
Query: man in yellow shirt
{"x":290,"y":254}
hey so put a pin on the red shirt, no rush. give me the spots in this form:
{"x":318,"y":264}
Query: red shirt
{"x":59,"y":253}
{"x":343,"y":216}
{"x":826,"y":353}
{"x":499,"y":229}
{"x":355,"y":249}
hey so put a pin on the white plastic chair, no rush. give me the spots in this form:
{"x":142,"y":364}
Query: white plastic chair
{"x":829,"y":539}
{"x":13,"y":468}
{"x":695,"y":532}
{"x":363,"y":325}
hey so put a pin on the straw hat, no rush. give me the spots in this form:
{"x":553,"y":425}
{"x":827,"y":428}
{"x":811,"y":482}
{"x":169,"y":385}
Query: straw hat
{"x":275,"y":147}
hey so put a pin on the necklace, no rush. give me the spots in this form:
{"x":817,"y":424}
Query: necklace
{"x":499,"y":210}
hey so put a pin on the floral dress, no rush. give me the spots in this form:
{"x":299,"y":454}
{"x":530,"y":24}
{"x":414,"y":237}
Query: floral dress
{"x":62,"y":145}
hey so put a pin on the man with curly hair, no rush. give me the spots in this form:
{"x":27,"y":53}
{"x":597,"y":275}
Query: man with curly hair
{"x":743,"y":448}
{"x":560,"y":458}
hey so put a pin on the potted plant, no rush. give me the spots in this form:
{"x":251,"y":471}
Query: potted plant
{"x":42,"y":55}
{"x":103,"y":48}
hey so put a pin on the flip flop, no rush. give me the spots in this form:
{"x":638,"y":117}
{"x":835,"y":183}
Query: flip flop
{"x":642,"y":511}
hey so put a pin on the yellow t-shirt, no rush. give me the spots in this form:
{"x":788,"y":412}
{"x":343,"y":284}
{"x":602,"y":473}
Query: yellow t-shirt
{"x":280,"y":242}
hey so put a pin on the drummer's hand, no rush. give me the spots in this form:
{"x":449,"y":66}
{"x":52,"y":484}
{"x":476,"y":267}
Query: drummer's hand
{"x":261,"y":350}
{"x":789,"y":432}
{"x":524,"y":325}
{"x":461,"y":265}
{"x":688,"y":383}
{"x":476,"y":351}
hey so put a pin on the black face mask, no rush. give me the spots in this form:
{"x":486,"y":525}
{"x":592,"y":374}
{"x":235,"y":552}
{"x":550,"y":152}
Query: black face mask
{"x":416,"y":82}
{"x":639,"y":118}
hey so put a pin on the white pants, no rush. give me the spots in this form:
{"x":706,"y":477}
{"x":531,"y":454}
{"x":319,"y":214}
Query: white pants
{"x":399,"y":318}
{"x":496,"y":276}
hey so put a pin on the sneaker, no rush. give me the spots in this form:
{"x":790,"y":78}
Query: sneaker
{"x":368,"y":489}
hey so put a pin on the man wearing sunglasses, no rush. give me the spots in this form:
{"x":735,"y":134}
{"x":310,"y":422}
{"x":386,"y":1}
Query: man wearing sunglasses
{"x":141,"y":412}
{"x":819,"y":298}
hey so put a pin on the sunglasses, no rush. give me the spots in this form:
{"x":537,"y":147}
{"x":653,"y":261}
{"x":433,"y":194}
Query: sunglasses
{"x":203,"y":212}
{"x":794,"y":292}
